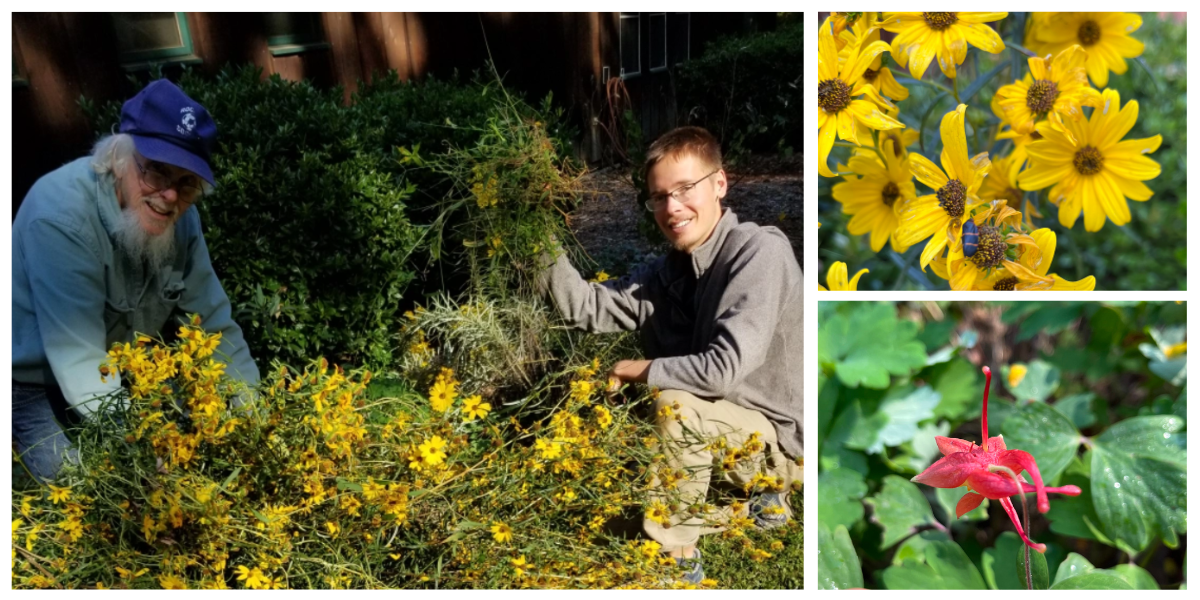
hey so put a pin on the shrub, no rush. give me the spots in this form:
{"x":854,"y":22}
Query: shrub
{"x":315,"y":226}
{"x":746,"y":90}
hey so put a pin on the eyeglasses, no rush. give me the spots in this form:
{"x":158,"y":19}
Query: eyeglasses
{"x":682,"y":194}
{"x":188,"y":187}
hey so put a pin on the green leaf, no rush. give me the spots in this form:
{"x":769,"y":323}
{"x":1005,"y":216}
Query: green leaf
{"x":1039,"y":382}
{"x":1137,"y":577}
{"x":849,"y":424}
{"x":1047,"y":434}
{"x":958,"y":383}
{"x":1039,"y":572}
{"x":899,"y":509}
{"x":837,"y":563}
{"x":946,"y":567}
{"x":924,"y":444}
{"x":948,"y":499}
{"x":1074,"y":566}
{"x":1096,"y":580}
{"x":914,"y":547}
{"x":895,"y":422}
{"x":1003,"y":553}
{"x":1139,"y":481}
{"x":1079,"y":409}
{"x":1076,"y":516}
{"x":870,"y":344}
{"x":839,"y":497}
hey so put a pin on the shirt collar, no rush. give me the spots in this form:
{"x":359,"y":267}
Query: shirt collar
{"x":704,"y":254}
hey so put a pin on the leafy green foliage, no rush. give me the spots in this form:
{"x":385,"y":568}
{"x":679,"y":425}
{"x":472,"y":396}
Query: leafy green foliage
{"x":945,"y":567}
{"x":746,"y":90}
{"x":869,"y":348}
{"x":1033,"y":565}
{"x":900,"y":508}
{"x":1087,"y":426}
{"x":837,"y":564}
{"x":302,"y":177}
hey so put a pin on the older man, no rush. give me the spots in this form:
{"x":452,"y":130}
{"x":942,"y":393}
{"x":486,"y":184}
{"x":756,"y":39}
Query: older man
{"x":106,"y":246}
{"x":720,"y":319}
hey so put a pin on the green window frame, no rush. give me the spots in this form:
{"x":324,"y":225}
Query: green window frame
{"x":297,"y":41}
{"x":141,"y":59}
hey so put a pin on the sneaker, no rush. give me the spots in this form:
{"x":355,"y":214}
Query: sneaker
{"x":767,"y":510}
{"x":694,"y":569}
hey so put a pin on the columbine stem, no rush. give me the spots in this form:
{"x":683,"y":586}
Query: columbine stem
{"x":988,"y":373}
{"x":1016,"y":480}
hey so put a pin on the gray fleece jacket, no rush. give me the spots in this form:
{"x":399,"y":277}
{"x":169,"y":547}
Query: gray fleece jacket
{"x":724,"y":322}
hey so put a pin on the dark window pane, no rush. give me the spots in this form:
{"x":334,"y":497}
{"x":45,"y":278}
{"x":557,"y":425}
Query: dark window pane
{"x":141,"y":32}
{"x":678,"y":37}
{"x":658,"y":41}
{"x":631,"y":58}
{"x":292,"y":28}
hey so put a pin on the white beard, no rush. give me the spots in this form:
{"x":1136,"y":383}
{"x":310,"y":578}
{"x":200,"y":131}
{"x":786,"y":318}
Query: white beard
{"x":156,"y":250}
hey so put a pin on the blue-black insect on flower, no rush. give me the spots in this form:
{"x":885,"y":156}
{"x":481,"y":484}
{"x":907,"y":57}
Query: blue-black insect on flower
{"x":970,"y":238}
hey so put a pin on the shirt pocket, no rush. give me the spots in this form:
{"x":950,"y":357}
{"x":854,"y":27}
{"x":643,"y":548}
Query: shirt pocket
{"x":117,"y":320}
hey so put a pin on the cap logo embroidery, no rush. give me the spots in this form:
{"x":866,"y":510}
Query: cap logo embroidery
{"x":188,"y":123}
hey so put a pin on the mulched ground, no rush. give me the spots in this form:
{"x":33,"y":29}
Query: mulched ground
{"x":613,"y":228}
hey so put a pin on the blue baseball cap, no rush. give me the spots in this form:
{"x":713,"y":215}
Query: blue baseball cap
{"x":169,"y":127}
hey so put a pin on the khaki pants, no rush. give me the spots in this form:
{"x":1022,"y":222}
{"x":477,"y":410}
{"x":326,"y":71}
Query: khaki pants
{"x":689,"y":427}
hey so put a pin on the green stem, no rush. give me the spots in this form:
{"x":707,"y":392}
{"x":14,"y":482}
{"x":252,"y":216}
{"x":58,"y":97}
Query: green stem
{"x":954,"y":90}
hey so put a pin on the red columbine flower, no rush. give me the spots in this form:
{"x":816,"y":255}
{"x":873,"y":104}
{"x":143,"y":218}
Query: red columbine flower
{"x":992,"y":471}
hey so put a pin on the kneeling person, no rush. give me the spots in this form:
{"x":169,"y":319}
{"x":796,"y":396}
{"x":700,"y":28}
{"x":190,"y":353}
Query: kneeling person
{"x":106,"y":246}
{"x":720,"y":317}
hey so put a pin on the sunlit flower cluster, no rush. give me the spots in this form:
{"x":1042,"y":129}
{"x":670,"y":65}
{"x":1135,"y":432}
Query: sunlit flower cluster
{"x":313,"y":481}
{"x":971,"y":214}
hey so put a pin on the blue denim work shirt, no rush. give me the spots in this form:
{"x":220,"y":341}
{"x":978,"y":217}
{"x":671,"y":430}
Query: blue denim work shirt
{"x":75,"y":293}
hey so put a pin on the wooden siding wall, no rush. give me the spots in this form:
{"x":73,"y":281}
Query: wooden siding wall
{"x":64,"y":56}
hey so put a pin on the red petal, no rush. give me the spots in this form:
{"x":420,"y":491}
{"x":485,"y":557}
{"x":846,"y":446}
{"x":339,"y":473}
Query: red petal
{"x":1066,"y":490}
{"x":969,"y":502}
{"x":996,"y":444}
{"x":950,"y":445}
{"x":950,"y":471}
{"x":993,"y":485}
{"x":1020,"y":459}
{"x":1012,"y":514}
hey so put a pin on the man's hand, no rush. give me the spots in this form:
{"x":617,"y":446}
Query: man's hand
{"x":628,"y":371}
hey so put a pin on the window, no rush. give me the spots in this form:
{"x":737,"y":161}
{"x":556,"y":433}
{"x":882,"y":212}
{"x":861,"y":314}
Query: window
{"x":292,"y":33}
{"x":679,"y":37}
{"x":631,"y":45}
{"x":144,"y":38}
{"x":658,"y":42}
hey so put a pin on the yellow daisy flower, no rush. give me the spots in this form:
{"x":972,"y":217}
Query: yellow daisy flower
{"x":836,"y":279}
{"x":442,"y":394}
{"x":475,"y":408}
{"x":1001,"y":244}
{"x":939,"y":216}
{"x":1025,"y":266}
{"x":1104,"y":35}
{"x":920,"y":36}
{"x":864,"y":32}
{"x":1001,"y":184}
{"x":1054,"y":88}
{"x":874,"y":197}
{"x":501,"y":532}
{"x":839,"y":112}
{"x":1097,"y":172}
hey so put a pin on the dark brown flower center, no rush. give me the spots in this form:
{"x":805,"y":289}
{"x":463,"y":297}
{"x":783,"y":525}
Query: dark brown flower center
{"x":833,"y":95}
{"x":890,"y":192}
{"x":1007,"y":284}
{"x":1035,"y":136}
{"x":870,"y":74}
{"x":1088,"y":160}
{"x":939,"y":21}
{"x":1041,"y":96}
{"x":990,"y":252}
{"x":952,"y":197}
{"x":1089,"y":33}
